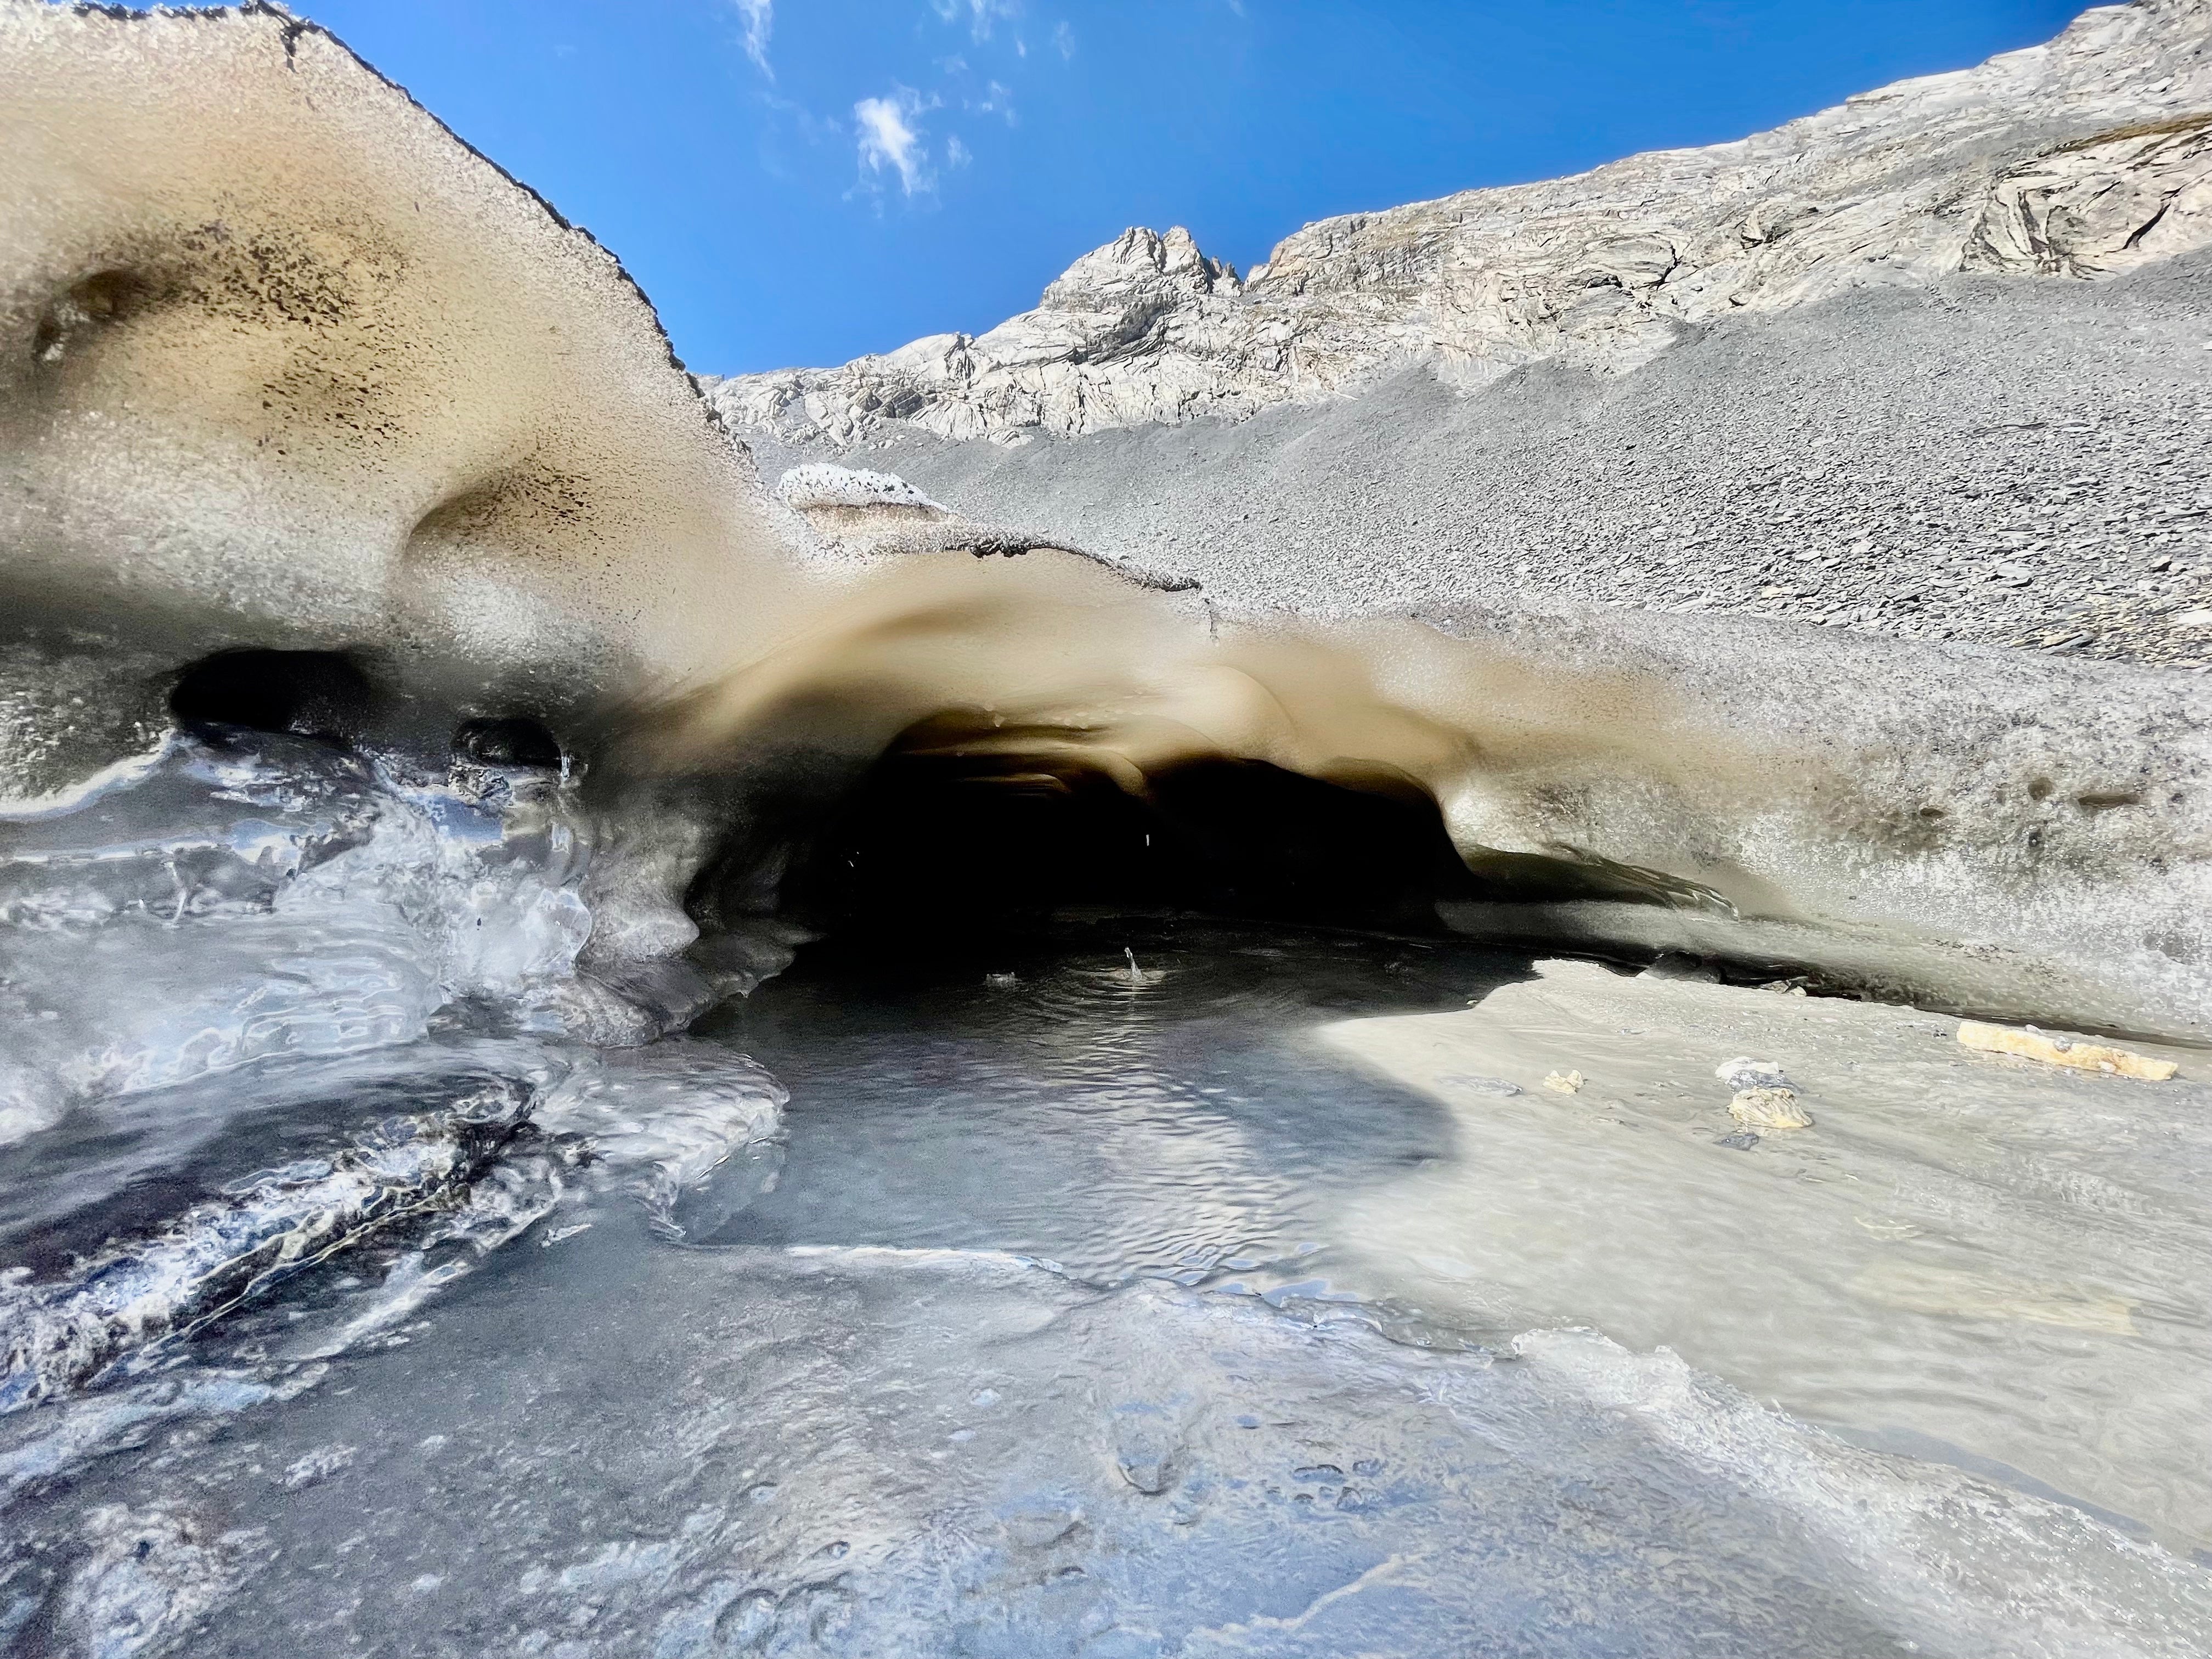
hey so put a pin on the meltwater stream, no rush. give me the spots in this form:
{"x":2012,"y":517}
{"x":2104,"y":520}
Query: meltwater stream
{"x":1149,"y":1287}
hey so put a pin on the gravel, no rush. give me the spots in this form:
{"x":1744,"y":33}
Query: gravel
{"x":2011,"y":461}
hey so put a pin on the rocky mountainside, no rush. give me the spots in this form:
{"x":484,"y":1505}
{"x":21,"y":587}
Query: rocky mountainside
{"x":1935,"y":364}
{"x":2082,"y":158}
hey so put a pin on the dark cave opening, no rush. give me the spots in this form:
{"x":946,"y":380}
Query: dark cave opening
{"x":936,"y":845}
{"x":965,"y":839}
{"x":351,"y":699}
{"x":514,"y":740}
{"x":307,"y":694}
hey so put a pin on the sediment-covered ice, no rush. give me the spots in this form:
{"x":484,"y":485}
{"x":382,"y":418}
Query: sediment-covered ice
{"x":864,"y":1452}
{"x":436,"y":1156}
{"x":1958,"y":1249}
{"x":289,"y":364}
{"x":266,"y":1224}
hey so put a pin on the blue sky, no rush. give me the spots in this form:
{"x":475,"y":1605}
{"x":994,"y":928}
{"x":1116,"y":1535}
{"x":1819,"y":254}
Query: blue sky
{"x":799,"y":182}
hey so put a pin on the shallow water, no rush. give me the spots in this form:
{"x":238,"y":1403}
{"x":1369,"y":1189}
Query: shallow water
{"x":1982,"y":1259}
{"x":1156,"y":1287}
{"x":1049,"y":1103}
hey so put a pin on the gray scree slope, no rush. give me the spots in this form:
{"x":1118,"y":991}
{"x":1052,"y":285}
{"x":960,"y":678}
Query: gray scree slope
{"x":1936,"y":363}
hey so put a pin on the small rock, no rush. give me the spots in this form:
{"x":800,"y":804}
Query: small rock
{"x":2031,"y":1044}
{"x":1566,"y":1083}
{"x":1146,"y":1457}
{"x":1743,"y":1073}
{"x":1040,"y":1527}
{"x":1768,"y":1108}
{"x":1149,"y":1470}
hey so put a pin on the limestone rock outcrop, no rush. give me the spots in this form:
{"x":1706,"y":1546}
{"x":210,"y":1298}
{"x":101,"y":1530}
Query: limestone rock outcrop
{"x":2081,"y":158}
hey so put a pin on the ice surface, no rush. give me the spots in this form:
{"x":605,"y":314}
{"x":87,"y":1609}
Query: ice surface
{"x":132,"y":1225}
{"x":1231,"y":1308}
{"x":234,"y":903}
{"x":668,"y":1117}
{"x":265,"y":1224}
{"x":1982,"y":1253}
{"x":866,"y":1452}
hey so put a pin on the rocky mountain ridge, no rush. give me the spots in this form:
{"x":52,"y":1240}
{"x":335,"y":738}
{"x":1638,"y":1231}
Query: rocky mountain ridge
{"x":2081,"y":158}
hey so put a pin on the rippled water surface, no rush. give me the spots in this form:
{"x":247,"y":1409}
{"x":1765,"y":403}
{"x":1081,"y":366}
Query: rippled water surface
{"x":1155,"y":1288}
{"x":1115,"y":1121}
{"x":1984,"y":1260}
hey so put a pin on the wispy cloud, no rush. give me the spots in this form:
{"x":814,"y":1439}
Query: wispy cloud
{"x":997,"y":98}
{"x":956,"y":153}
{"x":758,"y":17}
{"x":1064,"y":37}
{"x":891,"y":140}
{"x":981,"y":14}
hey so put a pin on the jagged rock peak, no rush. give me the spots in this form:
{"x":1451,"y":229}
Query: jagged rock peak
{"x":2085,"y":156}
{"x":1140,"y":263}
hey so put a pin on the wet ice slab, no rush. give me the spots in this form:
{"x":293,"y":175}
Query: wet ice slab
{"x":865,"y":1452}
{"x":234,"y":903}
{"x":137,"y":1222}
{"x":1965,"y":1252}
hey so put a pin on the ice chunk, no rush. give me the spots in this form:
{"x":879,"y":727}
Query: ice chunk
{"x":219,"y":1253}
{"x":278,"y":897}
{"x":818,"y":484}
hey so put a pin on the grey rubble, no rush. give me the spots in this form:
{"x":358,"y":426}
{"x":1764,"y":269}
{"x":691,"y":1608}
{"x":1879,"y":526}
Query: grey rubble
{"x":1936,"y":363}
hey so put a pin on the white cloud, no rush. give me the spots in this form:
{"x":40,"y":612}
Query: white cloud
{"x":956,"y":153}
{"x":997,"y":100}
{"x":1064,"y":38}
{"x":891,"y":137}
{"x":981,"y":14}
{"x":758,"y":17}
